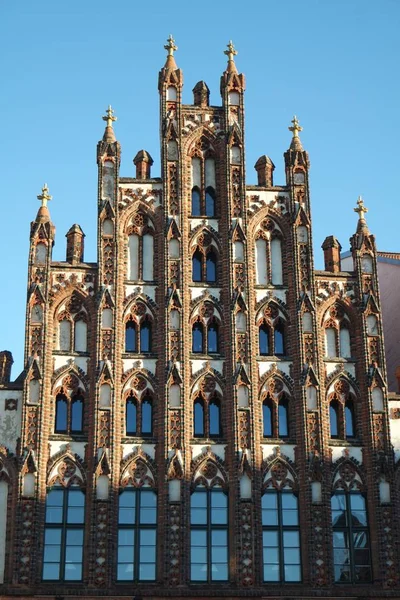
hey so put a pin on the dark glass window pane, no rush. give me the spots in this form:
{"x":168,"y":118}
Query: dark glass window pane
{"x":61,"y":414}
{"x":215,"y":420}
{"x":212,"y":339}
{"x":198,"y":419}
{"x":339,"y":515}
{"x":210,"y":202}
{"x":77,"y":415}
{"x":147,"y":417}
{"x":263,"y":340}
{"x":211,"y":268}
{"x":130,"y":337}
{"x":349,"y":418}
{"x":196,"y":267}
{"x":292,"y":573}
{"x":145,"y":337}
{"x":196,"y":202}
{"x":267,"y":419}
{"x":131,"y":417}
{"x":51,"y":571}
{"x":333,"y":420}
{"x":283,"y":419}
{"x":197,"y":342}
{"x":279,"y":342}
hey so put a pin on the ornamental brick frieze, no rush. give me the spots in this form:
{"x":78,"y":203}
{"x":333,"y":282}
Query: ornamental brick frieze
{"x":31,"y":425}
{"x":373,"y":349}
{"x":104,"y":429}
{"x":36,"y":340}
{"x":309,"y":347}
{"x":313,"y":432}
{"x":239,"y":275}
{"x":244,"y":429}
{"x":320,"y":571}
{"x":172,"y":190}
{"x":174,"y":272}
{"x":174,"y":544}
{"x":100,"y":574}
{"x":390,"y":575}
{"x":236,"y":191}
{"x":175,"y":429}
{"x":108,"y":261}
{"x":131,"y":195}
{"x":106,"y":343}
{"x":304,"y":267}
{"x":379,"y":432}
{"x":246,"y":544}
{"x":341,"y":289}
{"x":25,"y":557}
{"x":241,"y":343}
{"x":174,"y":340}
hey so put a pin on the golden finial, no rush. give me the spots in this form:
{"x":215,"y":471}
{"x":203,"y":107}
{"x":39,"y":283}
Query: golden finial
{"x":295,"y":127}
{"x":44,"y":197}
{"x":170,"y":45}
{"x":109,"y":116}
{"x":231,"y":52}
{"x":361,"y":209}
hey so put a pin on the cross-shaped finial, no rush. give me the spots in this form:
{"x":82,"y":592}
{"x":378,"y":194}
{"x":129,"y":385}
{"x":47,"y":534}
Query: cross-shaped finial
{"x":109,"y":116}
{"x":231,"y":52}
{"x":295,"y":127}
{"x":44,"y":197}
{"x":361,"y":209}
{"x":170,"y":45}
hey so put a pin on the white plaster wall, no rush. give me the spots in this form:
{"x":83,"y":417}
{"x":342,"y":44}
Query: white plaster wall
{"x":197,"y":291}
{"x":150,"y":449}
{"x":10,"y":420}
{"x":281,"y":294}
{"x":261,"y":262}
{"x":148,"y":290}
{"x":3,"y":526}
{"x":210,"y":172}
{"x":276,"y":261}
{"x":332,"y":366}
{"x":340,"y":452}
{"x":265,"y":365}
{"x":197,"y":365}
{"x":76,"y":447}
{"x":218,"y":449}
{"x":196,"y":172}
{"x":80,"y":336}
{"x":133,"y":257}
{"x":286,"y":449}
{"x":148,"y":257}
{"x":211,"y":222}
{"x":147,"y":363}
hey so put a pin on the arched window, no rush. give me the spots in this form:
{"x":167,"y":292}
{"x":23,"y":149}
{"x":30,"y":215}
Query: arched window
{"x":197,"y":338}
{"x":203,"y":187}
{"x":76,"y":414}
{"x":214,"y":417}
{"x":64,"y":534}
{"x":198,"y":428}
{"x":263,"y":340}
{"x":80,"y":340}
{"x":276,"y":261}
{"x":208,"y":535}
{"x":64,"y":335}
{"x":140,"y":245}
{"x":279,"y":348}
{"x":210,"y":202}
{"x":334,"y":419}
{"x":349,"y":418}
{"x":148,"y":257}
{"x":211,"y":267}
{"x":261,"y":262}
{"x":267,"y":418}
{"x":133,"y":257}
{"x":281,"y":536}
{"x":330,"y":342}
{"x":137,"y":535}
{"x":130,"y":336}
{"x":197,"y":266}
{"x":61,"y":425}
{"x":196,"y":210}
{"x":131,"y":415}
{"x":145,"y":336}
{"x":344,"y":340}
{"x":351,"y":546}
{"x":212,"y":338}
{"x":147,"y":415}
{"x":283,"y":418}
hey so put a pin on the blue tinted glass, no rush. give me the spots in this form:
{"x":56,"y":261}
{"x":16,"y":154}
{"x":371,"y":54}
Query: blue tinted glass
{"x":279,"y":347}
{"x":199,"y":500}
{"x":125,"y":572}
{"x":77,"y":415}
{"x":210,"y":203}
{"x":147,"y":572}
{"x":211,"y":268}
{"x":147,"y":411}
{"x":348,"y":415}
{"x":51,"y":571}
{"x":199,"y":420}
{"x":196,"y":202}
{"x":267,"y":420}
{"x":212,"y":339}
{"x":333,"y":420}
{"x":198,"y":572}
{"x":61,"y":414}
{"x":130,"y":337}
{"x":214,"y":419}
{"x":145,"y":337}
{"x":196,"y":267}
{"x":263,"y":341}
{"x":131,"y":416}
{"x":283,"y":420}
{"x":197,"y":338}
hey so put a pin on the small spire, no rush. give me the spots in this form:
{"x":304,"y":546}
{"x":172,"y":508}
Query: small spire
{"x":44,"y":197}
{"x":361,"y":209}
{"x":231,"y":53}
{"x":109,"y":117}
{"x":296,"y":143}
{"x":171,"y":47}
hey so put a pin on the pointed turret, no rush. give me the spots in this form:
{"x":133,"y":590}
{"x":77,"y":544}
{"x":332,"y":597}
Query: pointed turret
{"x":170,"y":74}
{"x":75,"y":244}
{"x":231,"y":53}
{"x":108,"y":160}
{"x":201,"y":94}
{"x":109,"y":117}
{"x":361,"y":209}
{"x":231,"y":80}
{"x":43,"y":215}
{"x":297,"y":164}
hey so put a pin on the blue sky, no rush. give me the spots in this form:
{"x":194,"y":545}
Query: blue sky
{"x":334,"y":64}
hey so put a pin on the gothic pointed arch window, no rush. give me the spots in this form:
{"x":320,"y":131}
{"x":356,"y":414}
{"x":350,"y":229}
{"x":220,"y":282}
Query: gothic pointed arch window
{"x":271,"y":332}
{"x":139,"y":414}
{"x":206,"y":330}
{"x":269,"y":254}
{"x":203,"y":194}
{"x":77,"y":414}
{"x":280,"y":527}
{"x":207,"y":416}
{"x":197,"y":266}
{"x":268,"y":410}
{"x":275,"y":410}
{"x":342,"y":414}
{"x":69,"y":410}
{"x":72,"y":325}
{"x":140,"y":247}
{"x":337,"y":333}
{"x":139,"y":329}
{"x":204,"y":260}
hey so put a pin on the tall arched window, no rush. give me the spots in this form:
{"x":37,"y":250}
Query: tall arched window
{"x":330,"y":342}
{"x":271,"y":337}
{"x":147,"y":415}
{"x":203,"y":187}
{"x":261,"y":262}
{"x":196,"y":210}
{"x":130,"y":336}
{"x":342,"y":414}
{"x":279,"y":348}
{"x":131,"y":416}
{"x":267,"y":418}
{"x":214,"y":412}
{"x":61,"y":425}
{"x":80,"y":337}
{"x":211,"y":267}
{"x":210,"y":202}
{"x":337,"y":333}
{"x":197,"y":338}
{"x":349,"y":418}
{"x":197,"y":266}
{"x":283,"y":418}
{"x":276,"y":261}
{"x":64,"y":335}
{"x":198,"y":428}
{"x":212,"y":338}
{"x":204,"y":265}
{"x":145,"y":336}
{"x":140,"y":249}
{"x":334,"y":419}
{"x":76,"y":414}
{"x":263,"y":340}
{"x":344,"y":340}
